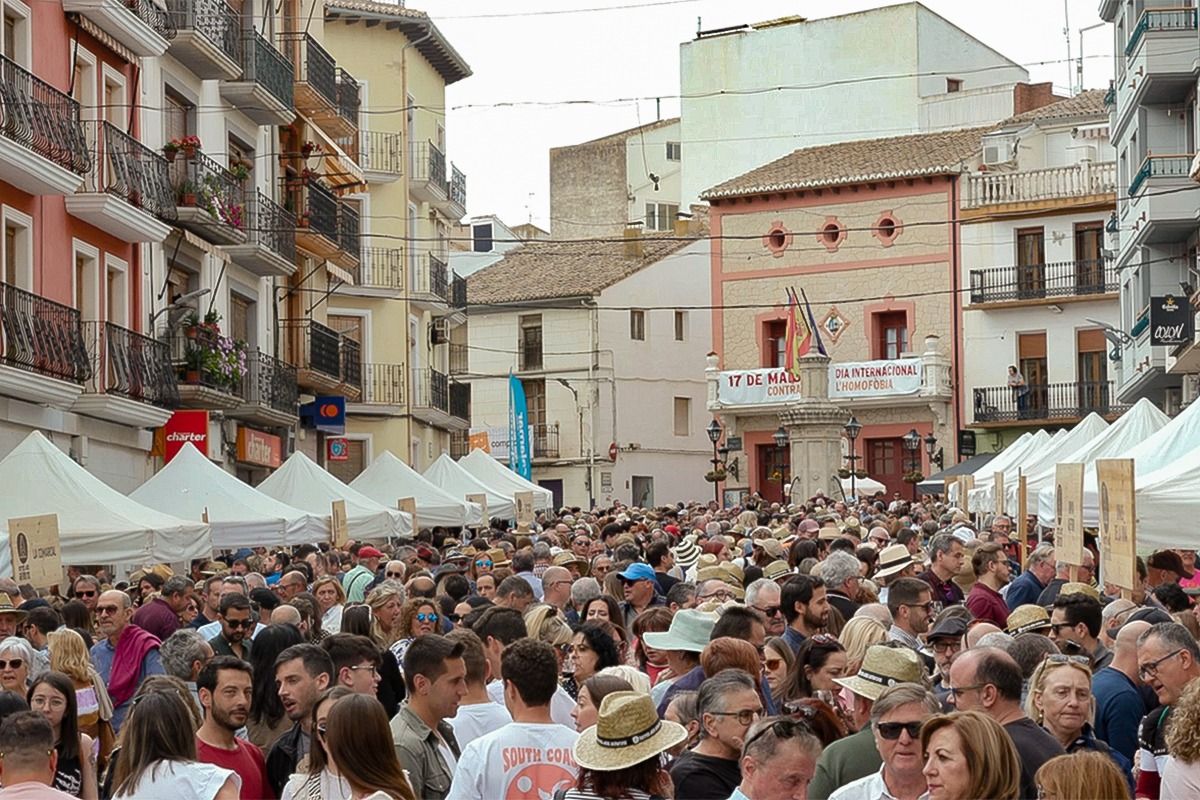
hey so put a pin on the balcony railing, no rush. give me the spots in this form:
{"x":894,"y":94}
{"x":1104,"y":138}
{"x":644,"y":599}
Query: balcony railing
{"x":214,"y":19}
{"x":263,"y":64}
{"x":460,"y":444}
{"x":270,"y":382}
{"x":271,"y":225}
{"x":458,"y":187}
{"x":315,"y":66}
{"x":460,"y":400}
{"x":41,"y":336}
{"x":347,"y":96}
{"x":1161,"y":19}
{"x":1080,"y":180}
{"x":433,"y":278}
{"x":382,"y":152}
{"x":383,"y":384}
{"x":430,"y":389}
{"x":315,"y":346}
{"x":545,"y":440}
{"x":429,"y":164}
{"x":1110,"y":97}
{"x":124,"y":167}
{"x":203,"y":357}
{"x":1169,"y":166}
{"x":351,"y":362}
{"x":36,"y":115}
{"x":1037,"y":281}
{"x":382,"y":268}
{"x":1047,"y":401}
{"x":347,"y":230}
{"x":129,"y":364}
{"x":459,"y":359}
{"x":318,"y":208}
{"x":458,"y":292}
{"x":200,"y":182}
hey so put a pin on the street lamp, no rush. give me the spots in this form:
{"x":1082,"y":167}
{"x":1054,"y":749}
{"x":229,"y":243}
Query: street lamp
{"x":934,"y":452}
{"x":714,"y":435}
{"x":781,"y":439}
{"x":912,"y":443}
{"x":852,"y":429}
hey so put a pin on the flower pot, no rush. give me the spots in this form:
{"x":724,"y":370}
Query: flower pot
{"x":187,"y":199}
{"x":189,"y":152}
{"x":192,"y":376}
{"x":170,"y":153}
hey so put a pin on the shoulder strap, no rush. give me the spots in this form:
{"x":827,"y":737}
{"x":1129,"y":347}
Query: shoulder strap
{"x":559,"y":794}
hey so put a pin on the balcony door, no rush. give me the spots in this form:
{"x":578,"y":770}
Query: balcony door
{"x":1031,"y":348}
{"x":1089,"y":258}
{"x":774,"y":470}
{"x":774,"y":343}
{"x":1092,"y":371}
{"x":1031,"y":263}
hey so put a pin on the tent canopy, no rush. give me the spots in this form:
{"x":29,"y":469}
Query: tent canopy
{"x":1063,"y":441}
{"x":388,"y":479}
{"x":936,"y":483}
{"x":1134,"y":427}
{"x":490,"y":471}
{"x":1039,"y":470}
{"x":239,"y":515}
{"x":96,"y":523}
{"x":985,"y":475}
{"x":301,"y":483}
{"x":453,"y":479}
{"x":866,"y":487}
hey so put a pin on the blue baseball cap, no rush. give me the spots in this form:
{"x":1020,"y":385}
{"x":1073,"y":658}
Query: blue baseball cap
{"x":637,"y":572}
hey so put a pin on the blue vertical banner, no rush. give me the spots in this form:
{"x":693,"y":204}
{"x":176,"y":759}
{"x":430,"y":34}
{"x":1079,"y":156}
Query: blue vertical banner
{"x":519,"y":459}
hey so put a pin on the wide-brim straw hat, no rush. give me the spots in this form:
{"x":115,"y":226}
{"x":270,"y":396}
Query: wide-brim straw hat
{"x":1026,"y":618}
{"x":883,"y":667}
{"x":776,"y":570}
{"x":627,"y":732}
{"x":1076,"y":587}
{"x":892,"y":559}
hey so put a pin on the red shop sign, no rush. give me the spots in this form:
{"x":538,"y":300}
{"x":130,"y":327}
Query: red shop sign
{"x":256,"y":447}
{"x":184,"y":427}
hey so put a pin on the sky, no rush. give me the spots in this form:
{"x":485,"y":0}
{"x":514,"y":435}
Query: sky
{"x":549,"y":73}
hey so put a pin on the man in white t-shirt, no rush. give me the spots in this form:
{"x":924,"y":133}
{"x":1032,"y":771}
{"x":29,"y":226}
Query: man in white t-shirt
{"x":477,"y":713}
{"x":529,"y":758}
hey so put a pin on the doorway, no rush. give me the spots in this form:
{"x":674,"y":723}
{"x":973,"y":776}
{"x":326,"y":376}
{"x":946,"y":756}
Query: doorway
{"x":774,"y":470}
{"x":555,"y":485}
{"x":643,"y":491}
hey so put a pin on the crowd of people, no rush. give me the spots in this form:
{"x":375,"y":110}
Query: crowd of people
{"x":871,"y":650}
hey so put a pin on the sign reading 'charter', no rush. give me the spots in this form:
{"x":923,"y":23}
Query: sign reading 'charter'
{"x":752,"y":387}
{"x":888,"y":378}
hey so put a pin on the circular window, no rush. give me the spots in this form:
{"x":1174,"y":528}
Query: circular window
{"x":887,"y":228}
{"x":831,"y":233}
{"x":777,"y":239}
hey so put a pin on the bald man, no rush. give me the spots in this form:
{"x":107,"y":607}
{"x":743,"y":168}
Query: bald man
{"x":1120,"y":704}
{"x":556,"y":587}
{"x":978,"y":631}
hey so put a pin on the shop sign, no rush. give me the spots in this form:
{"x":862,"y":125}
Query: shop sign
{"x":757,"y":387}
{"x":1170,"y":321}
{"x":889,"y":378}
{"x":337,"y":449}
{"x":327,"y":414}
{"x":256,"y":447}
{"x":184,"y":427}
{"x":493,"y":441}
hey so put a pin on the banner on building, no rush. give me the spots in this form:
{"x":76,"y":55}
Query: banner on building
{"x":520,"y":459}
{"x":493,"y":441}
{"x":889,"y":378}
{"x":1118,"y":536}
{"x":1171,"y":321}
{"x":755,"y":387}
{"x":184,"y":427}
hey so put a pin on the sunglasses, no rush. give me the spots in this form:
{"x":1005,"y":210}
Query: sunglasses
{"x":891,"y":730}
{"x":769,"y":611}
{"x":483,"y":563}
{"x":1062,"y":658}
{"x":239,"y":623}
{"x":14,"y":664}
{"x":781,"y":729}
{"x":89,"y":593}
{"x":394,"y":574}
{"x":423,"y":617}
{"x":103,"y":610}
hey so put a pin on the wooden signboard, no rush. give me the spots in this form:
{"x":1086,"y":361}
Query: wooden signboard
{"x":409,"y":506}
{"x":998,"y":499}
{"x":1068,"y":515}
{"x":524,"y":501}
{"x":337,"y":523}
{"x":36,"y":557}
{"x":1118,"y":522}
{"x":481,"y":501}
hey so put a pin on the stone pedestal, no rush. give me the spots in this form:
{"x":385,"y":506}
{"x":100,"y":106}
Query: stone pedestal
{"x":815,"y":428}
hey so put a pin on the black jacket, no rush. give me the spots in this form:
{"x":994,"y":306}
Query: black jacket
{"x":283,"y":757}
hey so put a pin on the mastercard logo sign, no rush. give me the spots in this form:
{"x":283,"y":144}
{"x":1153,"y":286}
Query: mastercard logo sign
{"x":329,"y":411}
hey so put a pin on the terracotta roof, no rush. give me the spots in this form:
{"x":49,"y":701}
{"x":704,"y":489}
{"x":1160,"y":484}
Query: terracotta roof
{"x":860,"y":161}
{"x":1084,"y":104}
{"x":414,"y":24}
{"x":620,"y":136}
{"x":548,"y":270}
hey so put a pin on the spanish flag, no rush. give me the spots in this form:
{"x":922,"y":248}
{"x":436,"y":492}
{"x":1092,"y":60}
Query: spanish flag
{"x":799,"y":336}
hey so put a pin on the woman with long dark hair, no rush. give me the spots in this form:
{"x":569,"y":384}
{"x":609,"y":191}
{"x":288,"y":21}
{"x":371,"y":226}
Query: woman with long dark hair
{"x":321,"y":781}
{"x":52,"y":695}
{"x":360,"y":745}
{"x":267,"y":721}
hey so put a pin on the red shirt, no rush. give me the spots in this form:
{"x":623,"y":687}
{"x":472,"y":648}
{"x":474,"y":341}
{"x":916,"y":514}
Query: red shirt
{"x":987,"y":605}
{"x":247,"y":761}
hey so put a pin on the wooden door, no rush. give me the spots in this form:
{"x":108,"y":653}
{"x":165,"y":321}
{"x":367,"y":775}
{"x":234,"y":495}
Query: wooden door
{"x":1089,"y":258}
{"x":886,"y":462}
{"x":1031,"y":263}
{"x":1031,"y":349}
{"x":774,"y":470}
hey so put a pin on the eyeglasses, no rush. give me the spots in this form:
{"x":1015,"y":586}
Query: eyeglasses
{"x":372,"y":667}
{"x":891,"y":730}
{"x":91,"y":593}
{"x":423,"y":617}
{"x":393,"y":574}
{"x":719,"y":594}
{"x":13,"y":664}
{"x":769,"y":611}
{"x":957,"y":690}
{"x":927,"y":606}
{"x":482,"y":563}
{"x":781,"y":729}
{"x":950,"y":646}
{"x":239,"y":623}
{"x":1150,"y":670}
{"x":744,"y":717}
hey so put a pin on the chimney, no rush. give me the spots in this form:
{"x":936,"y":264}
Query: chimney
{"x":683,"y":224}
{"x":634,"y":247}
{"x":1028,"y":96}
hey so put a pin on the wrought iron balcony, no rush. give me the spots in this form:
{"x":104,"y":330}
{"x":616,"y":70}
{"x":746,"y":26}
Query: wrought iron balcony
{"x":318,"y":208}
{"x":210,"y":367}
{"x":316,"y":351}
{"x":383,"y":384}
{"x":318,"y":91}
{"x":427,"y":173}
{"x":348,"y":232}
{"x":264,"y":91}
{"x":545,"y":440}
{"x":1160,"y":19}
{"x":382,"y":268}
{"x":270,"y":383}
{"x":457,"y":192}
{"x":44,"y":121}
{"x":209,"y":200}
{"x":382,"y":155}
{"x":1047,"y":401}
{"x":140,"y":25}
{"x":270,"y":248}
{"x":125,"y":175}
{"x":1043,"y":281}
{"x":208,"y":38}
{"x":430,"y":389}
{"x":460,"y":401}
{"x":348,"y":96}
{"x":459,"y":359}
{"x":42,"y":336}
{"x":458,"y":292}
{"x":1166,"y":166}
{"x":130,"y":365}
{"x":431,"y":280}
{"x":351,"y":364}
{"x":460,"y":444}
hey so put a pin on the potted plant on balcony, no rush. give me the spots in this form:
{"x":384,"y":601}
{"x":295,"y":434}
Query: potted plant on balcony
{"x":186,"y":193}
{"x":310,"y":149}
{"x":240,"y":172}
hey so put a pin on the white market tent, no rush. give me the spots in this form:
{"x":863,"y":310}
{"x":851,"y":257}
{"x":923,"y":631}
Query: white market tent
{"x":239,"y":514}
{"x":388,"y":479}
{"x":1008,"y":456}
{"x":490,"y":471}
{"x":302,"y":483}
{"x":453,"y":479}
{"x":96,"y":523}
{"x":1061,"y":443}
{"x":1039,"y":470}
{"x":1166,"y":503}
{"x":1134,"y":427}
{"x":866,"y":487}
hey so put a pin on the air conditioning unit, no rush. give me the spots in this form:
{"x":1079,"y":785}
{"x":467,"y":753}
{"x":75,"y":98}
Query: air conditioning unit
{"x":999,"y":150}
{"x":439,"y":332}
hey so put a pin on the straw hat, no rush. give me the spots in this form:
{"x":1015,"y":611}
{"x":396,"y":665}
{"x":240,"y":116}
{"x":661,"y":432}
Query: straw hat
{"x":771,"y":547}
{"x":567,"y":557}
{"x":499,"y":557}
{"x":776,"y":570}
{"x":1027,"y":618}
{"x":689,"y":631}
{"x":893,"y":559}
{"x":627,"y":732}
{"x":829,"y":531}
{"x":883,"y":667}
{"x":7,"y":607}
{"x":1080,"y":588}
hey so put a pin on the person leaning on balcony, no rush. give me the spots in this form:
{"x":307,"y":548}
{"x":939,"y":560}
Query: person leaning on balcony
{"x":1016,"y":382}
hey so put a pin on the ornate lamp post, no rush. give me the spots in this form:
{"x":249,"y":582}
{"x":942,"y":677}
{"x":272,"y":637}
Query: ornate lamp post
{"x":934,"y":452}
{"x":912,"y":443}
{"x":853,"y":428}
{"x":781,"y":440}
{"x":714,"y":435}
